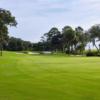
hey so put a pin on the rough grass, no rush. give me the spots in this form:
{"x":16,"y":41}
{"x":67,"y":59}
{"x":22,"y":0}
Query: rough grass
{"x":38,"y":77}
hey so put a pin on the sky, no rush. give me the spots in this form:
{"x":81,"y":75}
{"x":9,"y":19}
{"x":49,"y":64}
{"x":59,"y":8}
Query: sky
{"x":36,"y":17}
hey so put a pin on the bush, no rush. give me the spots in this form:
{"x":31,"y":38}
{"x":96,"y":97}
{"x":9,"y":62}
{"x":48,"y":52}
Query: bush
{"x":98,"y":55}
{"x":92,"y":53}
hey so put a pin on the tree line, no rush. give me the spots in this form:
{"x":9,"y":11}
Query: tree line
{"x":69,"y":40}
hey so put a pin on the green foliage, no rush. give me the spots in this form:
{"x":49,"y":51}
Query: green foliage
{"x":69,"y":40}
{"x":53,"y":39}
{"x":92,"y":53}
{"x":94,"y":32}
{"x":6,"y":19}
{"x":17,"y":44}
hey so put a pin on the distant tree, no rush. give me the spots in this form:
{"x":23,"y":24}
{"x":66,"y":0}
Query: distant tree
{"x":27,"y":45}
{"x":57,"y":42}
{"x":12,"y":44}
{"x":80,"y":40}
{"x":38,"y":46}
{"x":6,"y":19}
{"x":17,"y":44}
{"x":94,"y":32}
{"x":53,"y":38}
{"x":68,"y":38}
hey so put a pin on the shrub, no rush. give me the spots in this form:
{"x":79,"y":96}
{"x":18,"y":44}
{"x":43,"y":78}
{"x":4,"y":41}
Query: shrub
{"x":98,"y":55}
{"x":92,"y":53}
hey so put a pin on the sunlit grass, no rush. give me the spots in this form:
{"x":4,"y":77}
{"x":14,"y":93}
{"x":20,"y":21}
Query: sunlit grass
{"x":40,"y":77}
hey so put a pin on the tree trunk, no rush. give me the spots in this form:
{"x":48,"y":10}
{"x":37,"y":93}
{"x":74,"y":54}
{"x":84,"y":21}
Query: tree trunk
{"x":96,"y":47}
{"x":75,"y":49}
{"x":1,"y":52}
{"x":1,"y":49}
{"x":64,"y":48}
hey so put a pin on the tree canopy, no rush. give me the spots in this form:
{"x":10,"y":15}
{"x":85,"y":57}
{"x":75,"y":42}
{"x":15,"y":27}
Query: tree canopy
{"x":6,"y":19}
{"x":68,"y":40}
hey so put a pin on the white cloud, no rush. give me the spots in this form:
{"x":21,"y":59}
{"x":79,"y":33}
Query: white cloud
{"x":36,"y":17}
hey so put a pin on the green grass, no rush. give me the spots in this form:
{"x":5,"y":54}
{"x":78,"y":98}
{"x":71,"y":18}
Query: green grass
{"x":38,"y":77}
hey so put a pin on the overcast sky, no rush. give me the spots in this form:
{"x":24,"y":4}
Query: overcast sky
{"x":36,"y":17}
